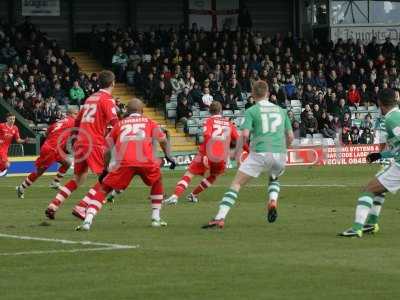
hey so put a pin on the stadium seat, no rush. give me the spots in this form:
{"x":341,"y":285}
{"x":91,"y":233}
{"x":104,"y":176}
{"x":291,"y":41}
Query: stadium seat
{"x":295,"y":103}
{"x":204,"y":113}
{"x":170,"y":108}
{"x":328,"y":142}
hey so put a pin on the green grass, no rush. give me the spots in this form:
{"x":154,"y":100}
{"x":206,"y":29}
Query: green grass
{"x":298,"y":257}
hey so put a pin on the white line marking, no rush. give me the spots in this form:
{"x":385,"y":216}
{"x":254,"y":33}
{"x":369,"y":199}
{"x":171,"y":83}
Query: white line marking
{"x":104,"y":246}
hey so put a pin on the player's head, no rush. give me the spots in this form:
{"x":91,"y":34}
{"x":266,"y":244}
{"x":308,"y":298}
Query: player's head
{"x":72,"y":112}
{"x":135,"y":106}
{"x":386,"y":100}
{"x":260,"y":90}
{"x":106,"y":79}
{"x":215,"y":108}
{"x":10,"y":118}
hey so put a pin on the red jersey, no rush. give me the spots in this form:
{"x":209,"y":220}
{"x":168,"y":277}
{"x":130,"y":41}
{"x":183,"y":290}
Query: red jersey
{"x":219,"y":132}
{"x":133,"y":139}
{"x":7,"y":134}
{"x":95,"y":115}
{"x":58,"y":133}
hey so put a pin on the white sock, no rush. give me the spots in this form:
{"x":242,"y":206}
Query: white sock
{"x":363,"y":208}
{"x":155,"y":214}
{"x":222,"y":212}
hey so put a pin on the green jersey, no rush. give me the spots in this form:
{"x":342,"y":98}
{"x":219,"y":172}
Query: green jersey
{"x":268,"y":124}
{"x":392,"y":126}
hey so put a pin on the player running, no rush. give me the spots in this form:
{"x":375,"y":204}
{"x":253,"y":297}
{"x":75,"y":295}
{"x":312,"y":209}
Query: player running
{"x":371,"y":200}
{"x":53,"y":150}
{"x":132,"y":142}
{"x":95,"y":115}
{"x":271,"y":133}
{"x":8,"y":133}
{"x":213,"y":154}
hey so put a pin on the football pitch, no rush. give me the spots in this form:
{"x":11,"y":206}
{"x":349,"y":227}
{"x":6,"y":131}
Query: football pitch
{"x":122,"y":257}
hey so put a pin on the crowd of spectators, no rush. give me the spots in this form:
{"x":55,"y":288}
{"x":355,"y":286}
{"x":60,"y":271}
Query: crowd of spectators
{"x":38,"y":76}
{"x":200,"y":67}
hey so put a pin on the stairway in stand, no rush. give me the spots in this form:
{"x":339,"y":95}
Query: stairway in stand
{"x":179,"y":141}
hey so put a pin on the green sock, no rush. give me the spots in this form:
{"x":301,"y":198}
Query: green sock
{"x":226,"y":204}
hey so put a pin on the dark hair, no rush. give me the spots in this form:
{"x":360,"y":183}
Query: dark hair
{"x":106,"y":79}
{"x":387,"y":97}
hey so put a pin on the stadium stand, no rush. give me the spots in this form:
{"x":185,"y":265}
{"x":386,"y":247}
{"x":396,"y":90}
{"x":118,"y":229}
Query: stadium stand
{"x":308,"y":77}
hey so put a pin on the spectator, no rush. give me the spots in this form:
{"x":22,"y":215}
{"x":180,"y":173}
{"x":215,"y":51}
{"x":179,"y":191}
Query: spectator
{"x":368,"y":122}
{"x":161,"y":95}
{"x":59,"y":94}
{"x":120,"y":63}
{"x":341,"y":109}
{"x":309,"y":125}
{"x":290,"y":90}
{"x":353,"y":96}
{"x":94,"y":80}
{"x":367,"y":137}
{"x":365,"y":95}
{"x":76,"y":94}
{"x":183,"y":112}
{"x":250,"y":102}
{"x":206,"y":99}
{"x":7,"y":54}
{"x":356,"y":122}
{"x":325,"y":126}
{"x":304,"y":113}
{"x":177,"y":83}
{"x":296,"y":129}
{"x":354,"y":136}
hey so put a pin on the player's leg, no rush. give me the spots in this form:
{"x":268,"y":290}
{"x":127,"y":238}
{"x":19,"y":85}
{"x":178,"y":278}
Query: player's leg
{"x":156,"y":196}
{"x":4,"y":163}
{"x":180,"y":187}
{"x":95,"y":162}
{"x":202,"y":186}
{"x":111,"y":196}
{"x":65,"y":192}
{"x":62,"y":170}
{"x":371,"y":225}
{"x":28,"y":181}
{"x":275,"y":164}
{"x":228,"y":200}
{"x":251,"y":168}
{"x":95,"y":198}
{"x":364,"y":205}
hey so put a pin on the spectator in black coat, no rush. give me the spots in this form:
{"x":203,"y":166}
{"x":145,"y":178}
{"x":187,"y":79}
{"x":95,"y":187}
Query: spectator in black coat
{"x":183,"y":112}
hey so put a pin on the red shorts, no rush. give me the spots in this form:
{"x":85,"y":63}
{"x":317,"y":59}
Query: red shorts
{"x":122,"y":177}
{"x":4,"y":164}
{"x":47,"y":157}
{"x":86,"y":158}
{"x":200,"y":165}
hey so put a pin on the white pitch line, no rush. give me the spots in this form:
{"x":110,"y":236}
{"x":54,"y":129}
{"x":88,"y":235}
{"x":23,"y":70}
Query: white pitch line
{"x":61,"y":251}
{"x":104,"y":246}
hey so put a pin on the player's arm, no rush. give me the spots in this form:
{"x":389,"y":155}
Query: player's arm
{"x":165,"y":145}
{"x":17,"y":138}
{"x":110,"y":111}
{"x":288,"y":131}
{"x":395,"y":130}
{"x":246,"y":128}
{"x":111,"y":139}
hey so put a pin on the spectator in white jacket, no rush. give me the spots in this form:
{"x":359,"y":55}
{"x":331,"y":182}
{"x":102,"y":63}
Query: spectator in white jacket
{"x":207,"y":98}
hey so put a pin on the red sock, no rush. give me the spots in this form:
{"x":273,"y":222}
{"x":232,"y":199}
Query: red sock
{"x":182,"y":185}
{"x":95,"y":199}
{"x":60,"y":173}
{"x":29,"y":180}
{"x":204,"y":184}
{"x":63,"y":194}
{"x":92,"y":192}
{"x":156,"y":196}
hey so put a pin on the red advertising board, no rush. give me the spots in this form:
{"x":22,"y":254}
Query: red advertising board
{"x":331,"y":155}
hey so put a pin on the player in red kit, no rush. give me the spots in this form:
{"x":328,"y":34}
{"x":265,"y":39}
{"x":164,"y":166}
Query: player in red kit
{"x":213,"y":154}
{"x":53,"y":150}
{"x":8,"y":133}
{"x":132,"y":143}
{"x":95,"y":115}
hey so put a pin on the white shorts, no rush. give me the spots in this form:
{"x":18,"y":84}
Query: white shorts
{"x":389,"y":177}
{"x":256,"y":163}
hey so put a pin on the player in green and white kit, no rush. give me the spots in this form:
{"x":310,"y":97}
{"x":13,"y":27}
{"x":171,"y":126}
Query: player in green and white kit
{"x":271,"y":134}
{"x":370,"y":202}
